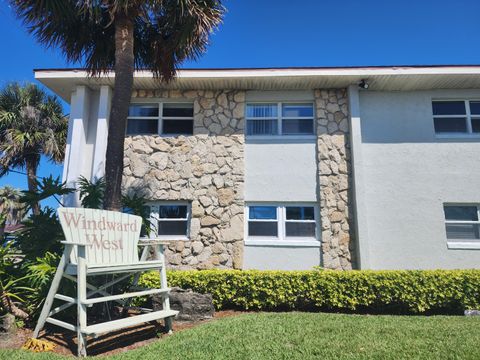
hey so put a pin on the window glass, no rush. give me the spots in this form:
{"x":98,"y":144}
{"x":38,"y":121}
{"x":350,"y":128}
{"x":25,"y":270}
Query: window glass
{"x":460,"y":213}
{"x":172,"y":220}
{"x":450,"y":125}
{"x":297,"y":110}
{"x":462,"y":231}
{"x":142,"y":126}
{"x":178,"y":127}
{"x":172,"y":211}
{"x":263,"y":213}
{"x":172,"y":227}
{"x":262,"y":228}
{"x":448,"y":108}
{"x":141,"y":110}
{"x":300,"y":213}
{"x":475,"y":107}
{"x":177,"y":110}
{"x":262,"y":127}
{"x":476,"y":125}
{"x":261,"y":110}
{"x":297,"y":126}
{"x":300,"y":229}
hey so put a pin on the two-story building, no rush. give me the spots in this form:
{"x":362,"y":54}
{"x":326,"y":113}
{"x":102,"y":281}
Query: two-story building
{"x":290,"y":168}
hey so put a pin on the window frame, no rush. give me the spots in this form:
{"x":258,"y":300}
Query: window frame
{"x":279,"y":119}
{"x":160,"y":118}
{"x":281,"y":239}
{"x":468,"y":118}
{"x":154,"y":218}
{"x":461,"y":243}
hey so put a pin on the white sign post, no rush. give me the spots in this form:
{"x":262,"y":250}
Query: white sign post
{"x":100,"y":242}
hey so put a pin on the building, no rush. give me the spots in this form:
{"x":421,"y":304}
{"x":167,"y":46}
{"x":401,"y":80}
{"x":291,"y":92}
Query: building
{"x":290,"y":168}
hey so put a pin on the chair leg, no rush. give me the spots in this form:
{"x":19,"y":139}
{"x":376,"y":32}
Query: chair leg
{"x":47,"y":306}
{"x":163,"y":285}
{"x":81,"y":307}
{"x":169,"y":325}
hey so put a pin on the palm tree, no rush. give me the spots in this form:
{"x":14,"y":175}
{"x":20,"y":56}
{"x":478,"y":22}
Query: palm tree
{"x":11,"y":209}
{"x":122,"y":35}
{"x":31,"y":125}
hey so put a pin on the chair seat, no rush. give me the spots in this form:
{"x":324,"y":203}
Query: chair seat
{"x":117,"y":268}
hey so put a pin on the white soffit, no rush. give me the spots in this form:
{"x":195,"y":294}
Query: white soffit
{"x":63,"y":81}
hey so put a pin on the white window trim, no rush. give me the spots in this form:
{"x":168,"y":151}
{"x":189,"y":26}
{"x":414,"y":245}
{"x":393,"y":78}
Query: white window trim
{"x":160,"y":118}
{"x":282,"y":239}
{"x":466,"y":244}
{"x":457,"y":135}
{"x":279,"y":118}
{"x":153,"y":219}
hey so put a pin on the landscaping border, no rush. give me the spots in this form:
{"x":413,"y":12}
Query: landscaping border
{"x":410,"y":291}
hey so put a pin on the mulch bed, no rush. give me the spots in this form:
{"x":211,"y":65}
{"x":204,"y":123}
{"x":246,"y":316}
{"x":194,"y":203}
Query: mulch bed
{"x":107,"y":344}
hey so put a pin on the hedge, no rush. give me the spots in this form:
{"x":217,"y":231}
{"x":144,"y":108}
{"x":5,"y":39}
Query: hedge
{"x":415,"y":291}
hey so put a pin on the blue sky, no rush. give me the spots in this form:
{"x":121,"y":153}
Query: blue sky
{"x":269,"y":33}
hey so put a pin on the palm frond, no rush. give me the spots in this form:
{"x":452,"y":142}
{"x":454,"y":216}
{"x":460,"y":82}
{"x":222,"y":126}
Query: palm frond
{"x":31,"y":124}
{"x":167,"y":32}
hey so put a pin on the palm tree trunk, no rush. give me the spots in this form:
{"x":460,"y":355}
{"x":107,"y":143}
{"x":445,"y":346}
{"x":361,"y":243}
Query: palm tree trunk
{"x":8,"y":304}
{"x":31,"y":165}
{"x":124,"y":67}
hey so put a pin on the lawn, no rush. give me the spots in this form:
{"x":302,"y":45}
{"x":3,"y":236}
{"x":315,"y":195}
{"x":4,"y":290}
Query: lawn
{"x":311,"y":336}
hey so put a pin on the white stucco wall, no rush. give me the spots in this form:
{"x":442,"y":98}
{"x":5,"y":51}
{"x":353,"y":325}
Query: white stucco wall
{"x":281,"y":257}
{"x":281,"y":171}
{"x":408,"y":174}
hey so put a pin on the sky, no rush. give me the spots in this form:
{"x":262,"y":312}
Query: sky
{"x":276,"y":33}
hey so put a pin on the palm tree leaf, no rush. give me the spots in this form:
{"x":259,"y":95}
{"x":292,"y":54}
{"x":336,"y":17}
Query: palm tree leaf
{"x":167,"y":32}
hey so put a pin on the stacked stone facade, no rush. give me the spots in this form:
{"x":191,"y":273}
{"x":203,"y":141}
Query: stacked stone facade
{"x":205,"y":169}
{"x":334,"y":179}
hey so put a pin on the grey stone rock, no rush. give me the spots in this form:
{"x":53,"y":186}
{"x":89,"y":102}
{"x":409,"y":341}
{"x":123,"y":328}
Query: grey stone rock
{"x":472,"y":312}
{"x":7,"y":324}
{"x":192,"y":306}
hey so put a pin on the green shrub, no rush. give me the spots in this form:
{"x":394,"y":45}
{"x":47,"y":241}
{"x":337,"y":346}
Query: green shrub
{"x":421,"y":291}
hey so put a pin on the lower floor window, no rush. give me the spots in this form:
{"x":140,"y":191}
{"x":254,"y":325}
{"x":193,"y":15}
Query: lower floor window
{"x":282,"y":221}
{"x":170,"y":220}
{"x":462,"y":222}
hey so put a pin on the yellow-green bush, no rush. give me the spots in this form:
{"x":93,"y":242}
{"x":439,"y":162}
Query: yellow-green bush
{"x":413,"y":291}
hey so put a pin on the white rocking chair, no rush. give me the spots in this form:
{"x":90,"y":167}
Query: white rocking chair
{"x":100,"y":242}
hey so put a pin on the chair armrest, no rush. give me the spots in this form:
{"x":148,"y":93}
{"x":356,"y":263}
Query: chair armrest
{"x":72,"y":243}
{"x":152,"y":241}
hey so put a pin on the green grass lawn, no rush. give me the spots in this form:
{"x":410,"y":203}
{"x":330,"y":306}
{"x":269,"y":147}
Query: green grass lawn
{"x":311,"y":336}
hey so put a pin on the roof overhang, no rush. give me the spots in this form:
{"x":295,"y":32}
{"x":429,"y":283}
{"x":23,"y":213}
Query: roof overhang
{"x":399,"y":78}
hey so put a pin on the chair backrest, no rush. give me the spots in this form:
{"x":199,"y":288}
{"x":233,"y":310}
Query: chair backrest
{"x":111,"y":237}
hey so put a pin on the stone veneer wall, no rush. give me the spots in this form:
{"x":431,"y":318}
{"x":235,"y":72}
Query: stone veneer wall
{"x":206,"y":169}
{"x":335,"y":182}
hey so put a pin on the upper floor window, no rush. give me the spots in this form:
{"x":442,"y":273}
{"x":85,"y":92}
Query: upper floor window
{"x":270,"y":119}
{"x":456,"y":117}
{"x":160,"y":118}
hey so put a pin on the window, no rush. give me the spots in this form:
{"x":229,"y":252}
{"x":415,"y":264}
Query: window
{"x":461,"y":222}
{"x":456,"y":117}
{"x":300,"y":221}
{"x":281,"y":222}
{"x":170,"y":220}
{"x":160,"y":118}
{"x":272,"y":119}
{"x":262,"y":221}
